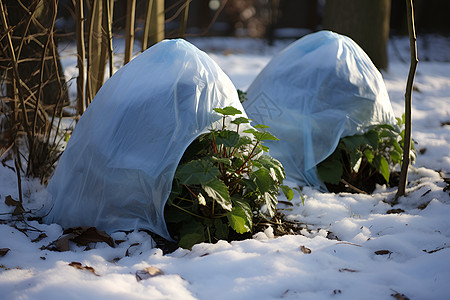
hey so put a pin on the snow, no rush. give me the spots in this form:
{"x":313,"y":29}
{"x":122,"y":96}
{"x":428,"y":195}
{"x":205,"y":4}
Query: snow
{"x":344,"y":232}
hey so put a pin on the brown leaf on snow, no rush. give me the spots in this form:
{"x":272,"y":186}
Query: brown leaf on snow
{"x":18,"y":206}
{"x":305,"y":250}
{"x":3,"y":251}
{"x":399,"y":296}
{"x":382,"y":252}
{"x":84,"y":235}
{"x":148,"y":272}
{"x":129,"y":249}
{"x":39,"y":238}
{"x":395,"y":211}
{"x":79,"y":266}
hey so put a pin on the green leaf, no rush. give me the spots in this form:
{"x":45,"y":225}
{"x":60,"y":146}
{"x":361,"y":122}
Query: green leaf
{"x":217,"y":190}
{"x":240,"y":120}
{"x":396,"y":156}
{"x":242,"y":203}
{"x":242,"y":96}
{"x":383,"y":167}
{"x":228,"y":111}
{"x":261,"y":126}
{"x":330,"y":171}
{"x":227,"y":138}
{"x":263,"y":180}
{"x":271,"y":202}
{"x":288,"y":192}
{"x":388,"y":134}
{"x":250,"y":185}
{"x":264,"y":148}
{"x":243,"y":140}
{"x":387,"y":126}
{"x":397,"y":146}
{"x":261,"y":135}
{"x":369,"y":155}
{"x":197,"y":172}
{"x":353,"y":142}
{"x":269,"y":162}
{"x":191,"y":233}
{"x":225,"y":161}
{"x":238,"y":220}
{"x":372,"y":139}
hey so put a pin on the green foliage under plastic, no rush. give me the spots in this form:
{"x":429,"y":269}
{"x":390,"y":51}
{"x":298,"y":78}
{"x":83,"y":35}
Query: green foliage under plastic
{"x":224,"y":185}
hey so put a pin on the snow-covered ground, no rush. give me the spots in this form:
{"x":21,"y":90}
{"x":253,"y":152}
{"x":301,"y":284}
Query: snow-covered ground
{"x":353,"y":246}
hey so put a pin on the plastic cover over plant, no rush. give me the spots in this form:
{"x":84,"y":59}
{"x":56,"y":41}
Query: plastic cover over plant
{"x":118,"y":167}
{"x":319,"y":89}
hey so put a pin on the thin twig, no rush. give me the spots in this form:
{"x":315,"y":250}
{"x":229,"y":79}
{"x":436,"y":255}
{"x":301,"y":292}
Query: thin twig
{"x":353,"y":187}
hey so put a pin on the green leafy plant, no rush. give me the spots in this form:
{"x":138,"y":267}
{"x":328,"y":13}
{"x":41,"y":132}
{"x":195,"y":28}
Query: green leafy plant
{"x":361,"y":161}
{"x":224,"y":184}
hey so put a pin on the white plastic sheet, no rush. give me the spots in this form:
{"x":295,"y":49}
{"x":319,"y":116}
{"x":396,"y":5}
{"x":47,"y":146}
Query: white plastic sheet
{"x":117,"y":170}
{"x":319,"y":89}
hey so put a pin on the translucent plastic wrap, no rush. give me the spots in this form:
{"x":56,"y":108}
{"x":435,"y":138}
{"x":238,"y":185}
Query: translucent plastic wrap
{"x":117,"y":170}
{"x":319,"y":89}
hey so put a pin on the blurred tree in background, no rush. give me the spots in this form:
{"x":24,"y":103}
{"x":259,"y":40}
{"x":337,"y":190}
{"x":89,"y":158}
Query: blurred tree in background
{"x":365,"y":21}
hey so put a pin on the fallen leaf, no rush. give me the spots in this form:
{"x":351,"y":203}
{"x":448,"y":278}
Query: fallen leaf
{"x":10,"y":201}
{"x":18,"y":206}
{"x":84,"y":235}
{"x":3,"y":251}
{"x":79,"y":266}
{"x":305,"y":250}
{"x":399,"y":296}
{"x":395,"y":211}
{"x":128,"y":252}
{"x":382,"y":252}
{"x":423,"y":205}
{"x":39,"y":238}
{"x":62,"y":243}
{"x":148,"y":272}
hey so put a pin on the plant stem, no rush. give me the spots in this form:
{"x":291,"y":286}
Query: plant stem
{"x":248,"y":158}
{"x":403,"y":181}
{"x":353,"y":187}
{"x":193,"y":194}
{"x":189,"y":212}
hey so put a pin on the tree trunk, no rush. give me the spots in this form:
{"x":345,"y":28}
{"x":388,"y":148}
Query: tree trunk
{"x":156,"y":23}
{"x":365,"y":21}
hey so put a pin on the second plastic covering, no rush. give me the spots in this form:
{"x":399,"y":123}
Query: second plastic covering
{"x":319,"y":89}
{"x":117,"y":170}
